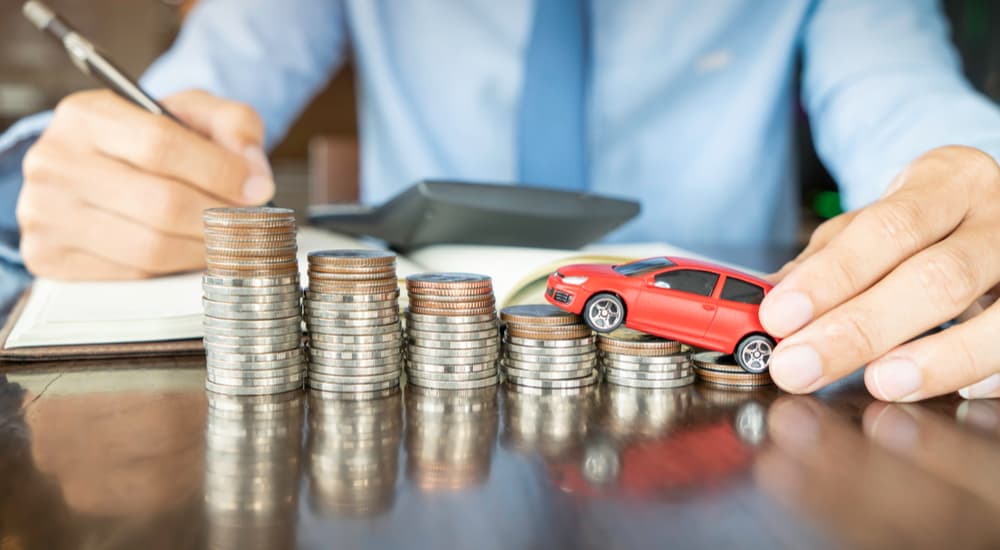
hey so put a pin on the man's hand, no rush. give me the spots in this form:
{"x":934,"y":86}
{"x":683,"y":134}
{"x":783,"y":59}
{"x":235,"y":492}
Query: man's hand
{"x":113,"y":192}
{"x":873,"y":280}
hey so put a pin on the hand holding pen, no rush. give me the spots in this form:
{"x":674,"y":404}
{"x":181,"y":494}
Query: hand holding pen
{"x":115,"y":188}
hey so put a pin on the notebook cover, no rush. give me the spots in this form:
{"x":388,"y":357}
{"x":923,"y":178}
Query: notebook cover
{"x":88,"y":351}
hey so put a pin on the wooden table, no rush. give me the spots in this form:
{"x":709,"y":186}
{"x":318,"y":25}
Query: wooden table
{"x":137,"y":455}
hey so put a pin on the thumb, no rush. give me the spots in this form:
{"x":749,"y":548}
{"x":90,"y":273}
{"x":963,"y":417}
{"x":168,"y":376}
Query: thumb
{"x":236,"y":127}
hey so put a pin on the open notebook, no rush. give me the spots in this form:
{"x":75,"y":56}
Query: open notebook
{"x":163,"y":316}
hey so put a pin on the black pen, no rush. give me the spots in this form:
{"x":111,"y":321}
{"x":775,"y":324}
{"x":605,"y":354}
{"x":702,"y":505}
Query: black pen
{"x":90,"y":60}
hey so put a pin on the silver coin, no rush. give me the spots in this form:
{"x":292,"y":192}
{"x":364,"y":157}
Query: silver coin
{"x":259,"y":373}
{"x":382,"y":347}
{"x":447,"y":360}
{"x":252,"y":349}
{"x":281,"y":280}
{"x":355,"y":378}
{"x":533,"y":366}
{"x":351,"y":297}
{"x":673,"y":358}
{"x":254,"y":357}
{"x":381,"y":337}
{"x":541,"y":358}
{"x":550,"y":352}
{"x":349,"y":355}
{"x":286,"y":294}
{"x":449,"y":329}
{"x":637,"y":375}
{"x":535,"y":343}
{"x":470,"y":355}
{"x":216,"y":313}
{"x":261,"y":338}
{"x":254,"y":365}
{"x":592,"y":378}
{"x":319,"y":327}
{"x":358,"y":371}
{"x":253,"y":324}
{"x":481,"y":344}
{"x":452,"y":384}
{"x":635,"y":367}
{"x":552,"y":359}
{"x":210,"y":307}
{"x":649,"y":384}
{"x":350,"y":306}
{"x":316,"y":361}
{"x":290,"y":332}
{"x":425,"y":336}
{"x":217,"y":377}
{"x":451,"y":376}
{"x":547,"y":374}
{"x":512,"y":390}
{"x":368,"y":314}
{"x":252,"y":390}
{"x":352,"y":388}
{"x":420,"y":367}
{"x":450,"y":319}
{"x":323,"y":324}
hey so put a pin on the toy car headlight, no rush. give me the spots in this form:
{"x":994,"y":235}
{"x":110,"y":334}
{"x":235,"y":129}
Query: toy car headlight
{"x":579,"y":280}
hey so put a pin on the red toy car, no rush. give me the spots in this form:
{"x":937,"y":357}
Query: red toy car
{"x":696,"y":302}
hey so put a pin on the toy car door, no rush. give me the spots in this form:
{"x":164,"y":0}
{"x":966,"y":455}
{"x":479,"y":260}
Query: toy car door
{"x":678,"y":301}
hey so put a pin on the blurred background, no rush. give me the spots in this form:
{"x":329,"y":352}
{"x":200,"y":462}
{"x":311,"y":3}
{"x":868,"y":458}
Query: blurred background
{"x":317,"y":161}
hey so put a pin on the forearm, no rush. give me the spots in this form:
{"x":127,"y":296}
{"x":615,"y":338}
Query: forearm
{"x":883,"y":85}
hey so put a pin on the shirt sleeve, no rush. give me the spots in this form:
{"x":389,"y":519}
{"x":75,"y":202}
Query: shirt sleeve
{"x":882,"y":85}
{"x":271,"y":55}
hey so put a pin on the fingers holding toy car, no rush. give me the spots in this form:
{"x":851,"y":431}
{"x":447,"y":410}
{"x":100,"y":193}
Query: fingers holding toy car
{"x":873,"y":282}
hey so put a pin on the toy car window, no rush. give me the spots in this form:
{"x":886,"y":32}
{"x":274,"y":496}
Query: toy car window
{"x":743,"y":292}
{"x":643,"y":267}
{"x":701,"y":283}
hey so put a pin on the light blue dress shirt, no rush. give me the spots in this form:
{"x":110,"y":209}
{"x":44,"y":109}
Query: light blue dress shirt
{"x":690,"y":110}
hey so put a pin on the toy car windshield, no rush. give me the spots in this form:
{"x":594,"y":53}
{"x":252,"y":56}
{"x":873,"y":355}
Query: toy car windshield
{"x":642,"y":267}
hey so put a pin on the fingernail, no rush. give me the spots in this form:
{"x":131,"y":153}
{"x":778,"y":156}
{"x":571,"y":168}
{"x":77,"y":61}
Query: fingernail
{"x":896,"y":429}
{"x":896,"y":379}
{"x":984,"y":388}
{"x":785,"y":312}
{"x":259,"y":187}
{"x":797,"y":368}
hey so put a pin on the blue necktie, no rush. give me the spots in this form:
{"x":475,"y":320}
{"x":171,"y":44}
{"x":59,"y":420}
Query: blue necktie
{"x":552,"y":130}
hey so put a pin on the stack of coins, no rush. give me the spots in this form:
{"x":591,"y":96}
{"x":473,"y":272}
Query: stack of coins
{"x":721,"y":370}
{"x":352,"y":316}
{"x":453,"y":339}
{"x":552,"y":423}
{"x":450,"y":436}
{"x":354,"y":451}
{"x":638,"y":413}
{"x":638,"y":360}
{"x":252,"y":470}
{"x":547,"y":348}
{"x":253,"y":319}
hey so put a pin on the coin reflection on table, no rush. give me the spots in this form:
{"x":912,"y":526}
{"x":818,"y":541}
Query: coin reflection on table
{"x":353,"y":451}
{"x":640,"y":412}
{"x":552,"y":423}
{"x":450,"y":436}
{"x":252,"y":470}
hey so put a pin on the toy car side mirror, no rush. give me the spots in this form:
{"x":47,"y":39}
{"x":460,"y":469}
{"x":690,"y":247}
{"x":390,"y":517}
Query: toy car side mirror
{"x":660,"y":284}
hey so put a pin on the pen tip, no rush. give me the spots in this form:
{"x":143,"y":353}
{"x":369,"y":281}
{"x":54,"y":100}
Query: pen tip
{"x":38,"y":13}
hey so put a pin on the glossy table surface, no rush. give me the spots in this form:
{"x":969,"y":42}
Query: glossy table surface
{"x":136,"y":454}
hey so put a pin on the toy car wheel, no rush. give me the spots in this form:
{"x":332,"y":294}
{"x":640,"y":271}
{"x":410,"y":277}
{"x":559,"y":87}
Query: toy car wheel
{"x":754,"y":353}
{"x":604,"y":313}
